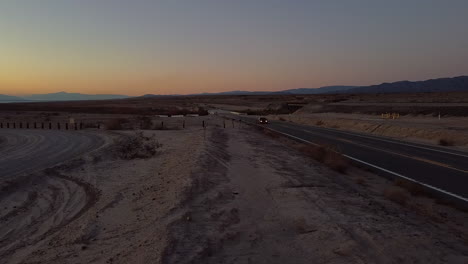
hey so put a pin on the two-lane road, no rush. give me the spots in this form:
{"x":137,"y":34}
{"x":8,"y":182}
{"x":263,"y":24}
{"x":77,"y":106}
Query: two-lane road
{"x":26,"y":151}
{"x":441,"y":169}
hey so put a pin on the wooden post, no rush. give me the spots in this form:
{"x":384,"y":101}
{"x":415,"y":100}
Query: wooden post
{"x":20,"y":125}
{"x":66,"y":126}
{"x":203,"y":123}
{"x":8,"y":125}
{"x":224,"y":123}
{"x":27,"y":125}
{"x":42,"y":125}
{"x":81,"y":126}
{"x":162,"y":124}
{"x":14,"y":125}
{"x":76,"y":127}
{"x":50,"y":125}
{"x":58,"y":125}
{"x":1,"y":125}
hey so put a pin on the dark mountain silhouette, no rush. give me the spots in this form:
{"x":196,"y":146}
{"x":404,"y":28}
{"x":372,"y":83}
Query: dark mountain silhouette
{"x":63,"y":96}
{"x":456,"y":84}
{"x":321,"y":90}
{"x":8,"y":98}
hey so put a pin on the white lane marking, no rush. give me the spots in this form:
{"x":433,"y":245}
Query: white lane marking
{"x":410,"y":179}
{"x":385,"y":140}
{"x":385,"y":170}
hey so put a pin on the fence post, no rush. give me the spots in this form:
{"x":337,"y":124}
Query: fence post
{"x":183,"y":124}
{"x":21,"y":125}
{"x":14,"y":125}
{"x":50,"y":125}
{"x":27,"y":125}
{"x":76,"y":126}
{"x":8,"y":125}
{"x":81,"y":126}
{"x":42,"y":125}
{"x":203,"y":123}
{"x":58,"y":125}
{"x":66,"y":126}
{"x":162,"y":124}
{"x":1,"y":125}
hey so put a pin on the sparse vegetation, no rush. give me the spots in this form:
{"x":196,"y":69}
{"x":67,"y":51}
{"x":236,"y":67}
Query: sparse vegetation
{"x":116,"y":123}
{"x":413,"y":188}
{"x":446,"y":142}
{"x":319,"y":123}
{"x":327,"y":156}
{"x":397,"y":195}
{"x":137,"y":146}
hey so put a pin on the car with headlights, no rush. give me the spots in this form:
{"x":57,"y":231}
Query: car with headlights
{"x":262,"y":120}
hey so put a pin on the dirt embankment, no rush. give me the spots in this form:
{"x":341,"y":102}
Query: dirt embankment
{"x":426,"y":129}
{"x":264,"y":202}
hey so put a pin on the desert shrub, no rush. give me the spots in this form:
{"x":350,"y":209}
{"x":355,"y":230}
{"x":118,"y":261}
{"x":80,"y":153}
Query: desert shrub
{"x":360,"y":181}
{"x":413,"y":188}
{"x":446,"y":142}
{"x":116,"y":123}
{"x":397,"y":195}
{"x":202,"y":111}
{"x":336,"y":161}
{"x":137,"y":146}
{"x":319,"y":123}
{"x":328,"y":156}
{"x":282,"y":119}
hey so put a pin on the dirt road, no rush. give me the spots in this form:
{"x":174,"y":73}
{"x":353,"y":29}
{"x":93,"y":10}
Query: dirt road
{"x":26,"y":151}
{"x":35,"y":204}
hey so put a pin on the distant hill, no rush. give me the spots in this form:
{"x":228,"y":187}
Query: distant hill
{"x":63,"y":96}
{"x":8,"y":98}
{"x":456,"y":84}
{"x":321,"y":90}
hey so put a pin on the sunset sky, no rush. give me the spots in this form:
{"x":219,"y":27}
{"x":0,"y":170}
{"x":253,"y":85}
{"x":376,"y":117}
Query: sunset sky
{"x":178,"y":47}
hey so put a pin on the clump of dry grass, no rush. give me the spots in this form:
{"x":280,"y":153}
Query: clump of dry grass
{"x":360,"y":180}
{"x":327,"y":156}
{"x":319,"y":123}
{"x":137,"y":146}
{"x":397,"y":195}
{"x":446,"y":142}
{"x":413,"y":188}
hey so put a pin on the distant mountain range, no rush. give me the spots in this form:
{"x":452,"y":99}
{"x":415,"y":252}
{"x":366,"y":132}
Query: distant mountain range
{"x":454,"y":84}
{"x":61,"y":96}
{"x":8,"y":98}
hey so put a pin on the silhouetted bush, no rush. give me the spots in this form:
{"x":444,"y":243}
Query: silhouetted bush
{"x":446,"y":142}
{"x":137,"y":146}
{"x":116,"y":123}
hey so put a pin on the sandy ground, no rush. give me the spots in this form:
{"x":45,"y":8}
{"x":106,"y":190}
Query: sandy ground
{"x":220,"y":195}
{"x":263,"y":202}
{"x":100,"y":209}
{"x":424,"y":129}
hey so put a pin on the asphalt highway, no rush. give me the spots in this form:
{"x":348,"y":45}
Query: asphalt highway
{"x":441,"y":169}
{"x":26,"y":151}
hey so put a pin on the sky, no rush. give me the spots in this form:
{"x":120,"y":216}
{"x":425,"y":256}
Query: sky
{"x":137,"y":47}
